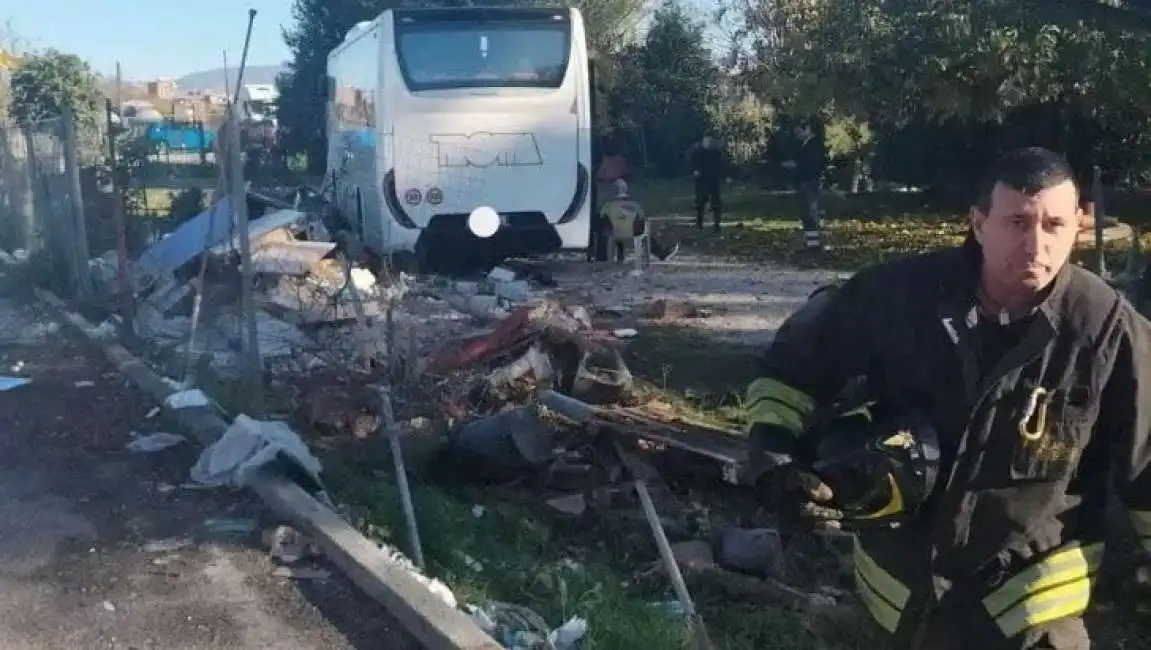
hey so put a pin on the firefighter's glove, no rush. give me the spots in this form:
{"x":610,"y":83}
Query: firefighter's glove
{"x":863,"y":497}
{"x":796,"y":493}
{"x":810,"y":500}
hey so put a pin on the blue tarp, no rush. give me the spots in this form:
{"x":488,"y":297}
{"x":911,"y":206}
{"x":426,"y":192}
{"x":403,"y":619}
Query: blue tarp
{"x":184,"y":243}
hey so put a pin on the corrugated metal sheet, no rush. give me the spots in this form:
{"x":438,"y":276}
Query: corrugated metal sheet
{"x":204,"y":231}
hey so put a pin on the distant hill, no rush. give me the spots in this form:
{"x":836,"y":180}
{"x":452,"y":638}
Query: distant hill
{"x":214,"y":79}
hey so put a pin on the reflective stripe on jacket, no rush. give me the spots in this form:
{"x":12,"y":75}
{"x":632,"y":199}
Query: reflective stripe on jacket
{"x":1029,"y":445}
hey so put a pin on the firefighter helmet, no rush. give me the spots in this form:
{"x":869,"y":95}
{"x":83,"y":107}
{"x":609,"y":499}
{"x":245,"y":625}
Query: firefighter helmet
{"x":881,"y":467}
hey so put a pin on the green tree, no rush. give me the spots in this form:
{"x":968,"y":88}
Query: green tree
{"x":49,"y":81}
{"x":976,"y":73}
{"x":320,"y":25}
{"x":673,"y":81}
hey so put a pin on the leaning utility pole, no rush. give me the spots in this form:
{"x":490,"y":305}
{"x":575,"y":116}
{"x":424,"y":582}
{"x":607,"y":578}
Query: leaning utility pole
{"x":254,"y":371}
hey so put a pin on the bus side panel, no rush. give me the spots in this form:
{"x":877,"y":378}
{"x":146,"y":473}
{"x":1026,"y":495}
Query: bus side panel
{"x":576,"y":234}
{"x":354,"y":137}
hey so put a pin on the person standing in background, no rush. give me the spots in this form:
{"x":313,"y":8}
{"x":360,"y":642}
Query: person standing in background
{"x":808,"y":165}
{"x":709,"y":167}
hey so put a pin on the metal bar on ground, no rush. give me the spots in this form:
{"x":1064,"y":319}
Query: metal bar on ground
{"x":388,"y":424}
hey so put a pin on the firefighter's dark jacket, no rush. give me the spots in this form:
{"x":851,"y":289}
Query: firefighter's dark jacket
{"x":1016,"y":523}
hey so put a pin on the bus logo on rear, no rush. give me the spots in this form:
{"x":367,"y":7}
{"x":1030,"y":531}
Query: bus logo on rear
{"x":486,"y":149}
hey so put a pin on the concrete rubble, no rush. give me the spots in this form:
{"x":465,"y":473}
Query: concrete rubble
{"x":315,"y":308}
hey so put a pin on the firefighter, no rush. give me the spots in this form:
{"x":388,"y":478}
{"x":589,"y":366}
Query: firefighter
{"x":622,"y":219}
{"x":709,"y":167}
{"x":1035,"y":375}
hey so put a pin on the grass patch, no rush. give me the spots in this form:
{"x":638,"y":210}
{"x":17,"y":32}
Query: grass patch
{"x":700,"y":378}
{"x":859,"y":229}
{"x":493,"y":547}
{"x":496,"y":550}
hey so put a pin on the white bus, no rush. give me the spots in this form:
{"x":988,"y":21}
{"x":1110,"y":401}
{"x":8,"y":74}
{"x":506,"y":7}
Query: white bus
{"x":433,"y":113}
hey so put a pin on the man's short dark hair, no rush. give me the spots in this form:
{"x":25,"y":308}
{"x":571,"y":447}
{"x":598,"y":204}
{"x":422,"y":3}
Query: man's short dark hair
{"x":1028,"y":170}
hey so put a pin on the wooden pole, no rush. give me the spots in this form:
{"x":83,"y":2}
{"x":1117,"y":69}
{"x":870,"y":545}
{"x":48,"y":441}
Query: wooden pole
{"x":253,"y":371}
{"x":254,"y":375}
{"x":78,"y":227}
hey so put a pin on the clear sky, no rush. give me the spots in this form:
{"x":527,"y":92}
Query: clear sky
{"x":151,"y":38}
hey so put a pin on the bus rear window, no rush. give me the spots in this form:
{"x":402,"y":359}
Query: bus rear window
{"x":441,"y":55}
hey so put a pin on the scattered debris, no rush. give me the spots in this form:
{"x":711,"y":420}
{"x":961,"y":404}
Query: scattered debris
{"x":230,"y":527}
{"x":438,"y":588}
{"x":693,"y":555}
{"x":572,"y":504}
{"x":519,"y":628}
{"x":756,"y":551}
{"x":185,"y":399}
{"x":167,"y":545}
{"x":503,"y":446}
{"x":8,"y":383}
{"x":301,"y":573}
{"x":155,"y":442}
{"x":289,"y":546}
{"x":247,"y":446}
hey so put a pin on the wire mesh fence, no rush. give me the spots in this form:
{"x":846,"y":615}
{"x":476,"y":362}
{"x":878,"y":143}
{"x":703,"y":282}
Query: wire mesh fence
{"x":50,"y":181}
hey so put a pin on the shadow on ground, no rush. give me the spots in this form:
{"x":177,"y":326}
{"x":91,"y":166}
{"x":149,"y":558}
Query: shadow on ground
{"x":102,"y":547}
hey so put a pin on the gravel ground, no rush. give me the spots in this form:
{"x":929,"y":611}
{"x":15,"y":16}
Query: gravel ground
{"x":101,"y":547}
{"x":748,"y":302}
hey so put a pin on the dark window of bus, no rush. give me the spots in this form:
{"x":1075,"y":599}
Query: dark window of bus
{"x":436,"y":56}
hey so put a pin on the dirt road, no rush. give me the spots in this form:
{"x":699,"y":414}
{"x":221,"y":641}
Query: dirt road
{"x":747,"y":302}
{"x":102,"y":548}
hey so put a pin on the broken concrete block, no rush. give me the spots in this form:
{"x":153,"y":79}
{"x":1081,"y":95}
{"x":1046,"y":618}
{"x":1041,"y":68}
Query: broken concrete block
{"x":695,"y":555}
{"x":468,"y":288}
{"x":571,"y":504}
{"x":274,"y":337}
{"x":663,"y":309}
{"x":515,"y":291}
{"x":757,"y":551}
{"x":501,"y":274}
{"x":482,"y":305}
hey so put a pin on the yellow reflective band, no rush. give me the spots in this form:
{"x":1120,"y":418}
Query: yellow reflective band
{"x":881,"y":610}
{"x":864,"y":410}
{"x":1059,"y":602}
{"x":771,"y":401}
{"x":894,"y":506}
{"x":880,"y":581}
{"x":1141,"y":520}
{"x":1055,"y":587}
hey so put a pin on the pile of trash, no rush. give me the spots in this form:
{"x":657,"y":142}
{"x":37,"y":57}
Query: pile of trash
{"x":316,"y":305}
